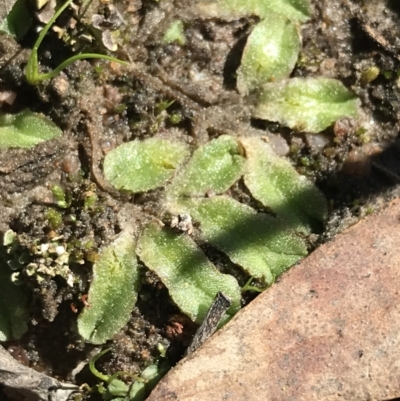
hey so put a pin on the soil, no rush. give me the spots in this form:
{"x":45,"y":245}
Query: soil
{"x":100,"y":105}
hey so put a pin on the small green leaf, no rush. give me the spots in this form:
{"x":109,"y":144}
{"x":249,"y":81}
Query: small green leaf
{"x":192,"y":280}
{"x":274,"y":182}
{"x":229,"y":10}
{"x":113,"y":291}
{"x":261,"y":244}
{"x":306,"y":104}
{"x":139,"y":166}
{"x":214,"y":167}
{"x":26,"y":129}
{"x":270,"y":54}
{"x":13,"y":307}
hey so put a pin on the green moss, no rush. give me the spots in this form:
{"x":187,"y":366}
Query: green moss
{"x":90,"y":200}
{"x":60,"y":196}
{"x":175,"y":33}
{"x":369,"y":75}
{"x":175,"y":118}
{"x":55,"y":218}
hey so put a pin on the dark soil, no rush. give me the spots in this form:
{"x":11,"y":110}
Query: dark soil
{"x":100,"y":105}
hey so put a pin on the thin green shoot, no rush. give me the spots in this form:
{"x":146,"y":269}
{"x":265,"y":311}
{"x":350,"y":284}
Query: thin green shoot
{"x":111,"y":387}
{"x":93,"y":368}
{"x":249,"y":287}
{"x":105,"y":378}
{"x":34,"y":77}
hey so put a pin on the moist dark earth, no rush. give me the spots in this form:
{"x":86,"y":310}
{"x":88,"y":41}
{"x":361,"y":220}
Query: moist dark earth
{"x":100,"y":105}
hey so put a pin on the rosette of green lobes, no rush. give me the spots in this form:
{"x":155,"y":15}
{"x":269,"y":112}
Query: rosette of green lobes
{"x":113,"y":291}
{"x":214,"y":167}
{"x":274,"y":182}
{"x":192,"y":280}
{"x":261,"y":244}
{"x":306,"y":104}
{"x":140,"y":166}
{"x":270,"y":54}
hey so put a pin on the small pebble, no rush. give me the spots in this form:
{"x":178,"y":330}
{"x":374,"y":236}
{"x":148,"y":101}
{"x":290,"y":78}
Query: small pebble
{"x":71,"y":164}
